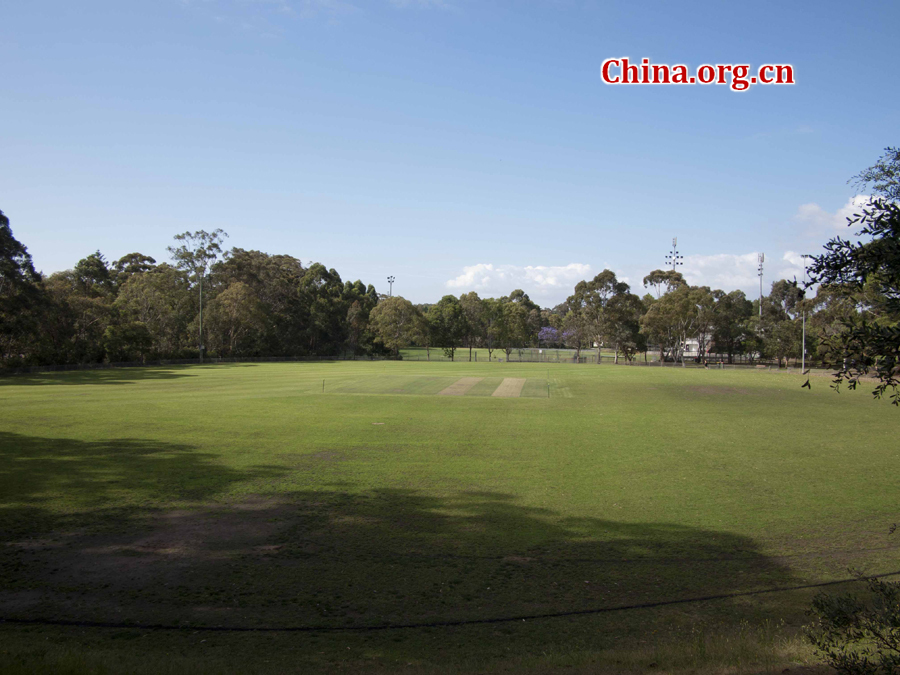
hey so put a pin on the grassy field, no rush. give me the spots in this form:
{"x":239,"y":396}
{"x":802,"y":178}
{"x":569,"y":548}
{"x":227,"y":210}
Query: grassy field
{"x":366,"y":514}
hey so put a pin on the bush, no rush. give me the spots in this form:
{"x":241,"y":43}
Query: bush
{"x":859,"y":636}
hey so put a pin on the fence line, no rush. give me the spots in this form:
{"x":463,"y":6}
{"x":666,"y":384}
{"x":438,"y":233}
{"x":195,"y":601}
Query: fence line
{"x":517,"y":356}
{"x":24,"y":370}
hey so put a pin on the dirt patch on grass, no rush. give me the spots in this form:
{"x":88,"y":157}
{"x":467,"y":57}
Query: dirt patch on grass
{"x":511,"y":387}
{"x":460,"y":387}
{"x":156,"y":564}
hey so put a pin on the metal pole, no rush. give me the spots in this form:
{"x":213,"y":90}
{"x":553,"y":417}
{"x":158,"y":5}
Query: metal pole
{"x":762,"y":258}
{"x":803,"y":348}
{"x":805,"y":257}
{"x":201,"y":318}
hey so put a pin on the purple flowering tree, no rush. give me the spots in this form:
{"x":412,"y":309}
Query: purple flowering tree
{"x":548,"y":335}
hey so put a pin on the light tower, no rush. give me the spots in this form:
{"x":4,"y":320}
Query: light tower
{"x":762,"y":258}
{"x":805,"y":256}
{"x":674,"y":258}
{"x":391,"y":279}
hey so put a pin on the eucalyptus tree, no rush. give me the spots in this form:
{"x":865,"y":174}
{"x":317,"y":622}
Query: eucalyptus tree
{"x":448,"y":324}
{"x":19,"y":293}
{"x":235,"y":319}
{"x":664,"y":281}
{"x":590,"y":300}
{"x":129,"y":265}
{"x":868,"y":273}
{"x":160,"y":299}
{"x":676,"y":318}
{"x":474,"y":309}
{"x":730,"y":324}
{"x":492,"y":316}
{"x":396,"y":323}
{"x":512,"y":327}
{"x":323,"y":306}
{"x":575,"y":332}
{"x":621,"y":325}
{"x":276,"y":281}
{"x":197,"y":252}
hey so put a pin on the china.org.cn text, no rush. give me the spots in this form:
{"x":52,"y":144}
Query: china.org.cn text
{"x":737,"y":76}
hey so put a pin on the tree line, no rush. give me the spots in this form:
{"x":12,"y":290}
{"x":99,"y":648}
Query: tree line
{"x":603,"y":314}
{"x":208,"y":300}
{"x":205,"y":300}
{"x":237,"y":302}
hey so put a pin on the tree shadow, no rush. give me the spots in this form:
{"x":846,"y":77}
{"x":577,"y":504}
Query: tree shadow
{"x":55,"y":480}
{"x":91,"y":526}
{"x":113,"y":375}
{"x":134,"y":532}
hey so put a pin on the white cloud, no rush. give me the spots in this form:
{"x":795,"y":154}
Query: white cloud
{"x":819,"y":221}
{"x":538,"y":281}
{"x":722,"y":270}
{"x":730,"y":271}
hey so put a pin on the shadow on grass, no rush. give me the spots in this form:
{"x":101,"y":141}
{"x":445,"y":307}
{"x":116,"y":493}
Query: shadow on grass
{"x":119,"y":375}
{"x":136,"y":530}
{"x":48,"y":481}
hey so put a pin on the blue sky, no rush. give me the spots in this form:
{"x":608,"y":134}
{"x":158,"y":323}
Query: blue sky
{"x":458,"y":145}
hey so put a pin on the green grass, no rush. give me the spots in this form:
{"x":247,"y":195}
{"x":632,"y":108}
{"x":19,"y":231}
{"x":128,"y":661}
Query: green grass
{"x":382,"y":383}
{"x":243,"y":496}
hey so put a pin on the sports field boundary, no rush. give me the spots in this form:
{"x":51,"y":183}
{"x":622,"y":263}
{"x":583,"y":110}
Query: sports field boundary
{"x":211,"y":361}
{"x":430,"y":624}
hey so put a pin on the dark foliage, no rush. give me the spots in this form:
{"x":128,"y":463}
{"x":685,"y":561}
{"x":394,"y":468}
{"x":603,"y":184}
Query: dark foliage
{"x":869,"y":274}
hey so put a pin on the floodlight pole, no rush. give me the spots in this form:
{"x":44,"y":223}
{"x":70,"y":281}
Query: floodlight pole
{"x":391,"y":279}
{"x":762,"y":258}
{"x":674,"y":258}
{"x":805,"y":256}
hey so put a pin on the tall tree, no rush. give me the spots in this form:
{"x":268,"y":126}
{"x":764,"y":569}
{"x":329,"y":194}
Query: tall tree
{"x":196,"y":253}
{"x":276,"y":281}
{"x":129,"y":265}
{"x":19,"y":293}
{"x":664,"y":281}
{"x":621,"y":325}
{"x":474,"y":310}
{"x":322,"y":293}
{"x":448,"y":324}
{"x":589,"y":301}
{"x":869,"y":273}
{"x":674,"y":319}
{"x":576,"y":332}
{"x":396,"y":323}
{"x":234,"y":320}
{"x":730,"y":330}
{"x":161,"y":300}
{"x":493,"y":319}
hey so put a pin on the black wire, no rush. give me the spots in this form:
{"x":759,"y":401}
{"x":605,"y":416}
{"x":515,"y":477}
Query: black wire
{"x":430,"y":624}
